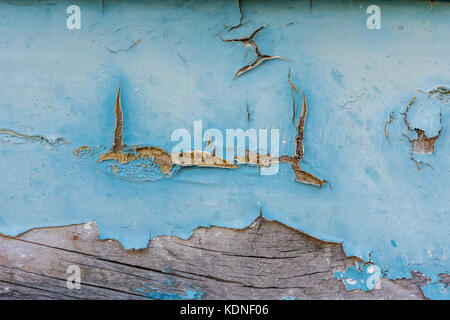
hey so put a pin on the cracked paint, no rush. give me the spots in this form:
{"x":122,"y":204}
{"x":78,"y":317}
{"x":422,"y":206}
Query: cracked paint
{"x":441,"y":93}
{"x":166,"y":162}
{"x":241,"y":20}
{"x":421,"y":144}
{"x":323,"y":262}
{"x":169,"y":164}
{"x":249,"y":41}
{"x":436,"y":291}
{"x":377,"y":198}
{"x":11,"y":136}
{"x":82,"y":150}
{"x":299,"y":150}
{"x":155,"y":294}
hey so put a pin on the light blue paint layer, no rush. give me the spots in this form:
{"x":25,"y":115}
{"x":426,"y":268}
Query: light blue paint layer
{"x":153,"y":294}
{"x":360,"y":277}
{"x":62,"y":83}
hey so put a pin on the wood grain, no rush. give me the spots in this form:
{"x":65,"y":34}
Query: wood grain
{"x":266,"y":260}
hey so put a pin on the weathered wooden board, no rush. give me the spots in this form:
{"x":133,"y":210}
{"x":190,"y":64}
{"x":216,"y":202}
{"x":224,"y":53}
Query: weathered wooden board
{"x":267,"y":260}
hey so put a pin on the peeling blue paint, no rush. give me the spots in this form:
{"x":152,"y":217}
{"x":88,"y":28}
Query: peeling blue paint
{"x":436,"y":291}
{"x":142,"y":170}
{"x":360,"y":277}
{"x":62,"y":83}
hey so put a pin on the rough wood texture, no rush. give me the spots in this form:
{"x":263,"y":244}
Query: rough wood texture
{"x":266,"y":260}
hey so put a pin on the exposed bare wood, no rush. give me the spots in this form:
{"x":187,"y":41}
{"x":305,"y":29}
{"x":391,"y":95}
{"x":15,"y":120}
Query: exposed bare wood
{"x":266,"y":260}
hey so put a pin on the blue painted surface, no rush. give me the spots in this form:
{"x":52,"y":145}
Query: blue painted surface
{"x":360,"y":277}
{"x":62,"y":83}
